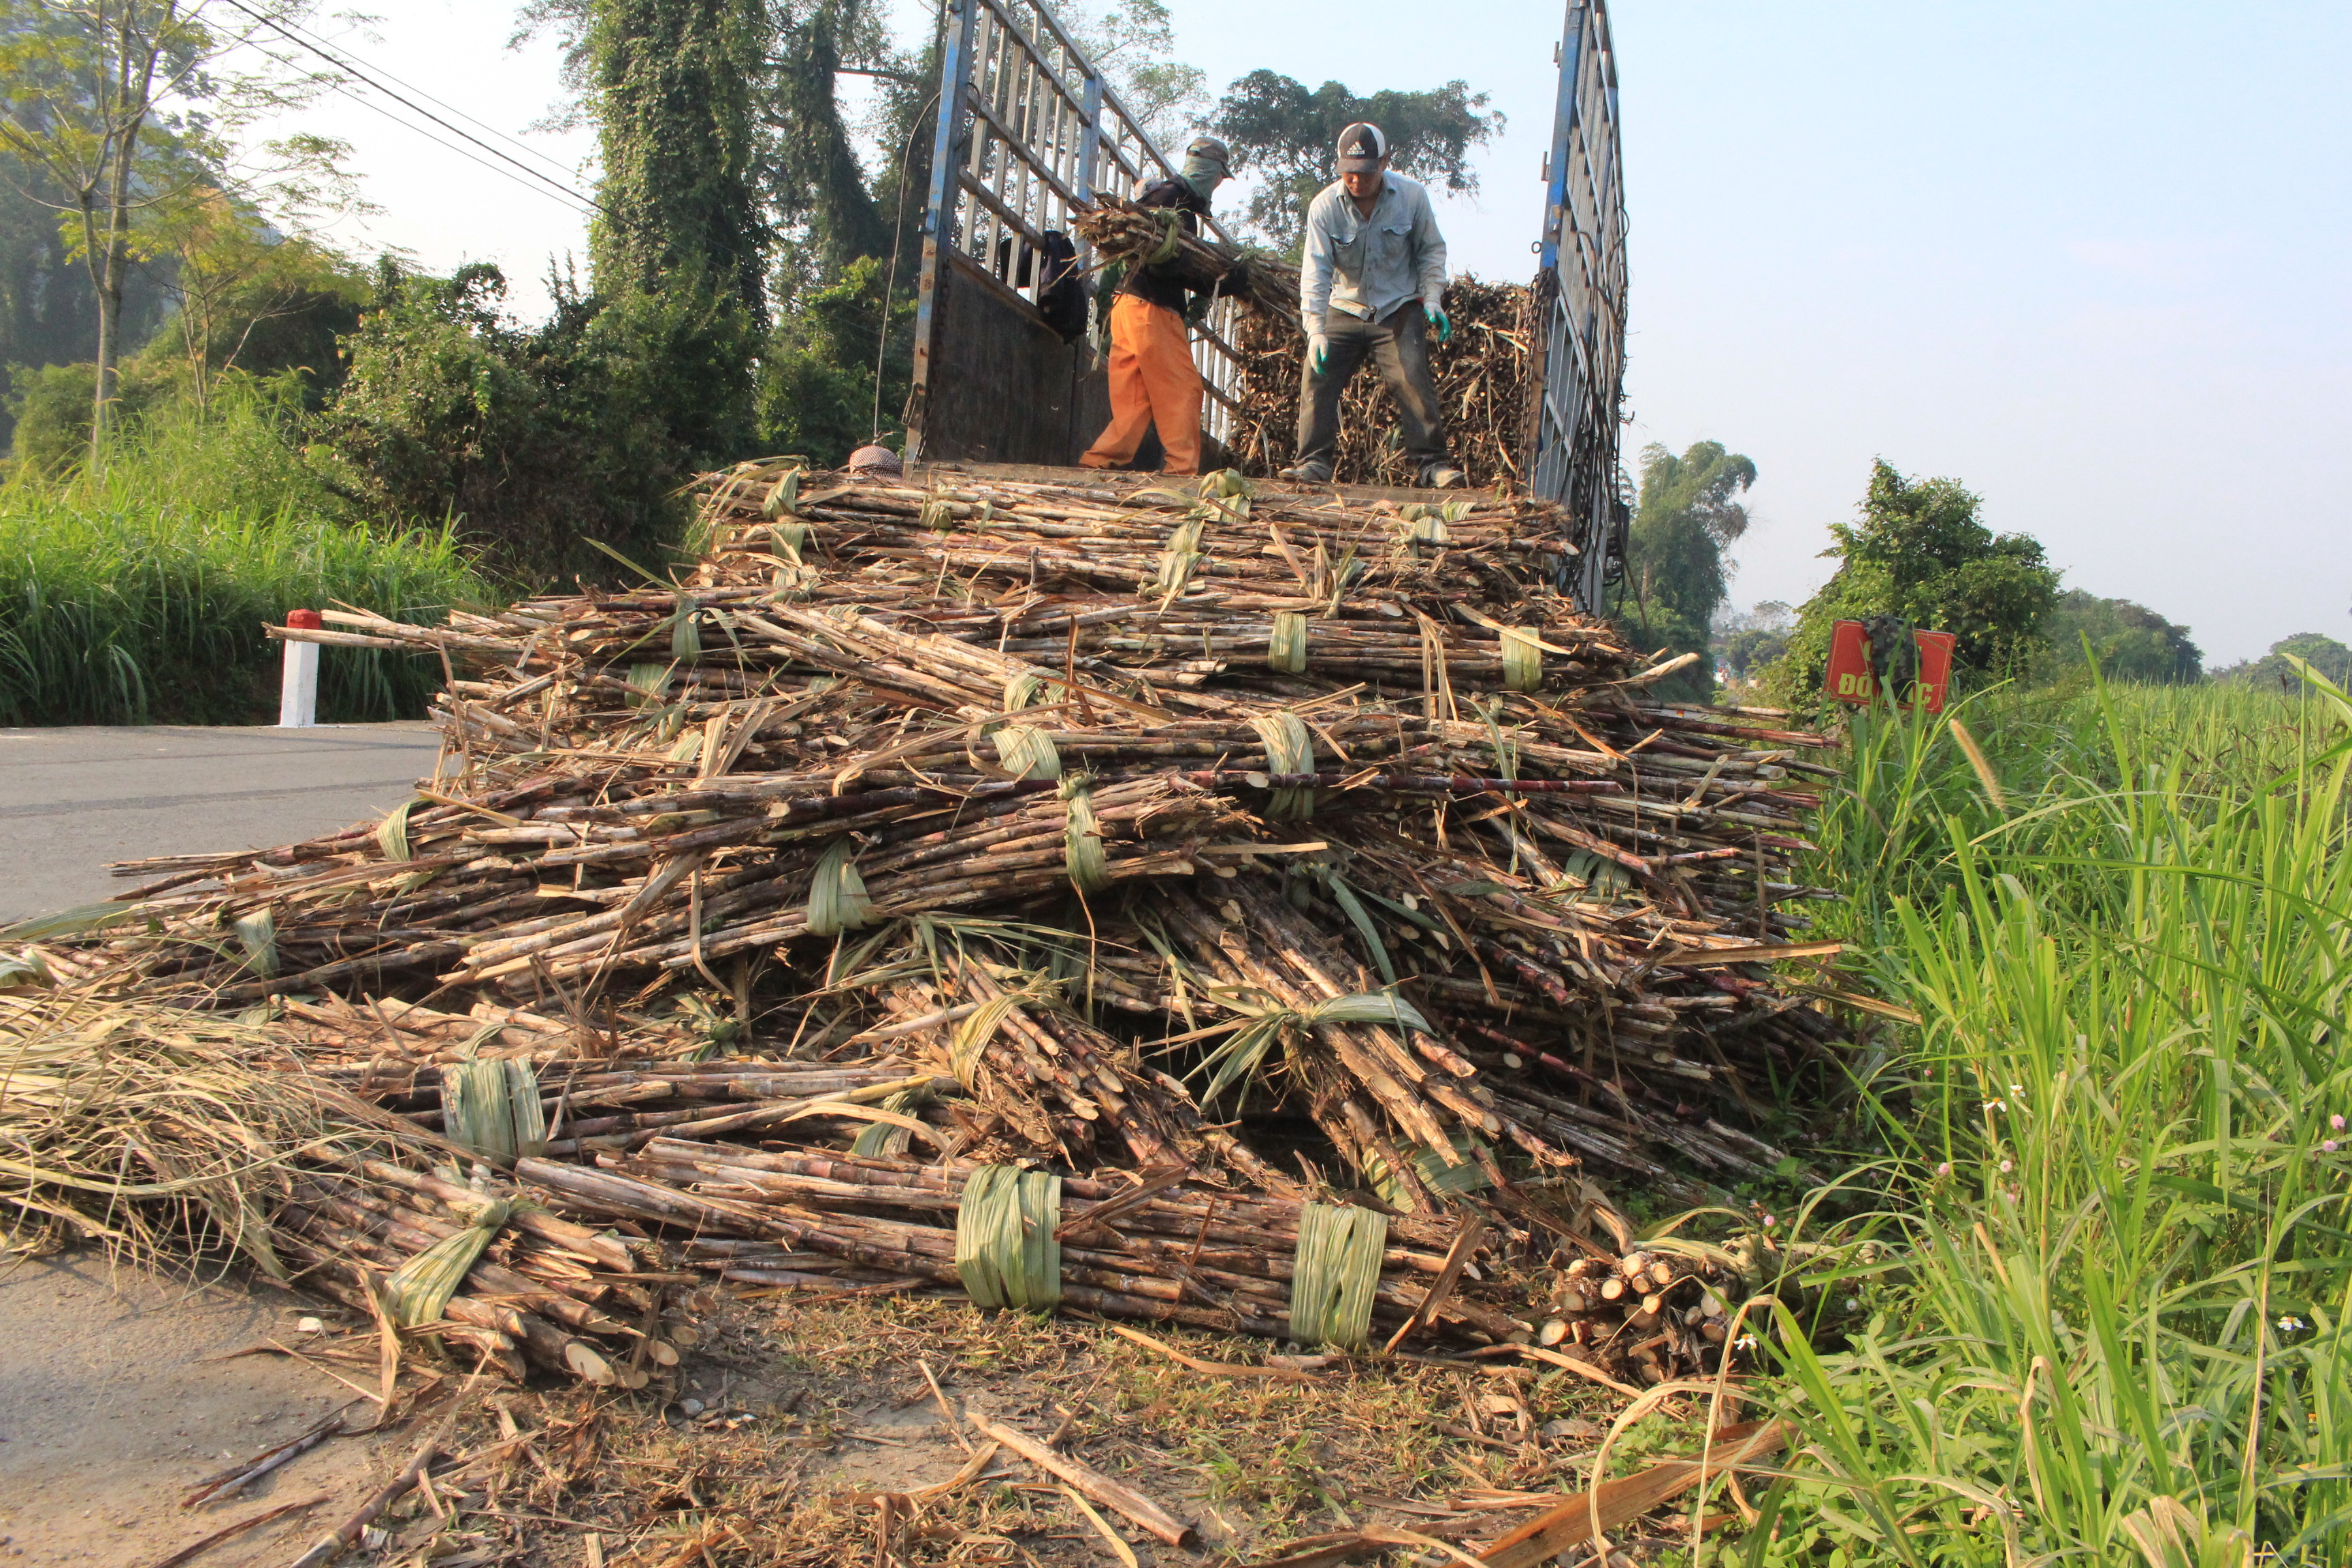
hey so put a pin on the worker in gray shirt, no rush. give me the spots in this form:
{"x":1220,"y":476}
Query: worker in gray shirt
{"x":1374,"y":283}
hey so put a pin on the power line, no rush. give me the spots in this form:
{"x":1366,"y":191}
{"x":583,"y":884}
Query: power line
{"x":325,"y":47}
{"x":349,"y":69}
{"x":570,"y":199}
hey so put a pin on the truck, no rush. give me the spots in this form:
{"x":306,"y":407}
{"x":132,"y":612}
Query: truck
{"x":1028,"y":129}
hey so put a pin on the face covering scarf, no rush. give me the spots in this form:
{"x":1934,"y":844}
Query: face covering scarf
{"x":1202,"y":174}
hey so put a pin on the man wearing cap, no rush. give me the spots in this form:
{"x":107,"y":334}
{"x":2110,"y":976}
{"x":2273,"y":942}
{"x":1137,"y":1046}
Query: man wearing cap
{"x":1153,"y":380}
{"x":1374,"y":283}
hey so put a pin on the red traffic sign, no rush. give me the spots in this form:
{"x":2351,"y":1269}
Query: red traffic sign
{"x":1853,"y":674}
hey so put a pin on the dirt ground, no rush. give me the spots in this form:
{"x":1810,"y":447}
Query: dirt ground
{"x":794,"y":1432}
{"x":118,"y":1390}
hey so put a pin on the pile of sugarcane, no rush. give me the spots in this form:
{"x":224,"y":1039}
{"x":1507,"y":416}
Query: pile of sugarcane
{"x":1301,"y":850}
{"x":1486,"y":375}
{"x":1486,"y":380}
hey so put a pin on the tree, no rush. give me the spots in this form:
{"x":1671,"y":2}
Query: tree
{"x":1676,"y":575}
{"x":1282,"y":135}
{"x":533,"y":439}
{"x":2130,"y":641}
{"x":678,"y":247}
{"x":678,"y":144}
{"x":1746,"y":641}
{"x":1134,"y":46}
{"x":2323,"y":653}
{"x":48,"y":314}
{"x":817,"y":391}
{"x":1918,"y":552}
{"x":100,"y":98}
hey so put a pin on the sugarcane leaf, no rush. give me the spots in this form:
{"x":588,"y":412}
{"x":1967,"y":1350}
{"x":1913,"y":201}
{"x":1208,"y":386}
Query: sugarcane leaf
{"x":1241,"y":1054}
{"x":619,"y":557}
{"x":1409,"y":916}
{"x":1353,"y":908}
{"x":1369,"y":1007}
{"x":75,"y":921}
{"x":25,"y":973}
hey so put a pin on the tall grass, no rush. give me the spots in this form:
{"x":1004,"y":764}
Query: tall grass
{"x":140,"y":594}
{"x":2112,"y":1327}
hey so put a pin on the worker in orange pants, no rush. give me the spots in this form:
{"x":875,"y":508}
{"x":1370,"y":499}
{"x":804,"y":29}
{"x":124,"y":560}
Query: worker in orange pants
{"x":1153,"y":381}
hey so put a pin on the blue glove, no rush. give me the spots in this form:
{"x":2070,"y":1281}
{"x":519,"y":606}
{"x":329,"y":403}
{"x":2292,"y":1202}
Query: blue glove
{"x":1318,"y":353}
{"x":1441,"y":321}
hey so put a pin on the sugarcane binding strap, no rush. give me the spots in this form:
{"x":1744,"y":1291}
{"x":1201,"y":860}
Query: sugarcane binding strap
{"x":1005,"y":1253}
{"x":418,"y":1291}
{"x":1082,"y":847}
{"x":837,"y":900}
{"x":1288,"y":751}
{"x":1171,"y":233}
{"x":1522,"y":659}
{"x":1285,"y":643}
{"x":1177,"y":561}
{"x":1335,"y":1274}
{"x":1027,"y":753}
{"x":492,"y":1108}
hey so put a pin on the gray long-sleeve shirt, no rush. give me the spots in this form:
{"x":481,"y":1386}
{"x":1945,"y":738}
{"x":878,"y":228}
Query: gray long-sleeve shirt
{"x":1367,"y":266}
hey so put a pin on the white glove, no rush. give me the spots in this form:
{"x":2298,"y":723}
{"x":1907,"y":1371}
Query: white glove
{"x":1319,"y":351}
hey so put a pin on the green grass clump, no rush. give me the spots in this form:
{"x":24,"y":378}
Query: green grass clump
{"x":139,"y":595}
{"x":2113,"y":1160}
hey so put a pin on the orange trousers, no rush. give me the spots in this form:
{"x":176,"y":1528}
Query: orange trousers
{"x":1152,"y":382}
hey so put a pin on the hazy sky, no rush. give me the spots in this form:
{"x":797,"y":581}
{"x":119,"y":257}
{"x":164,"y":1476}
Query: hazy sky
{"x":2088,"y":258}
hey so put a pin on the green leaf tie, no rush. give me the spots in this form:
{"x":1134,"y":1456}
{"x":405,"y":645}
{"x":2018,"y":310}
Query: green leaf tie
{"x":1005,"y":1253}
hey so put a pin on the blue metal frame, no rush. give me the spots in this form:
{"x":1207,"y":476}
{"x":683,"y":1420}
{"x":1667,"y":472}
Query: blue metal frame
{"x":1580,"y":289}
{"x":947,"y":157}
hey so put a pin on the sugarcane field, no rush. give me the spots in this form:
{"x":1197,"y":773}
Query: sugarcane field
{"x":1071,"y":820}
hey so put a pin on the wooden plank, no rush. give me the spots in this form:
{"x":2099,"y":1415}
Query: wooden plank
{"x":1612,"y":1503}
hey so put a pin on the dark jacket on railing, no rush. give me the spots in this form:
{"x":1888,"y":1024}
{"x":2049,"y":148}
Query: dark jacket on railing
{"x":1166,"y":284}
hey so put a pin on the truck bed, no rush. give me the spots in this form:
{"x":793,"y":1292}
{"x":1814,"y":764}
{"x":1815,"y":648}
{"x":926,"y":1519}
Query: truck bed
{"x":1052,"y":474}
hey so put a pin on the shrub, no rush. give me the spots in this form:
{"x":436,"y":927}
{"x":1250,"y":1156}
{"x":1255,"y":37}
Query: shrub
{"x":1918,"y":552}
{"x":532,"y":441}
{"x":140,"y":594}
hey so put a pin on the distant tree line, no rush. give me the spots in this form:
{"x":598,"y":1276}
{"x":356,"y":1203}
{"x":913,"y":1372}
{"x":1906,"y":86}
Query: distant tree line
{"x":1918,"y":552}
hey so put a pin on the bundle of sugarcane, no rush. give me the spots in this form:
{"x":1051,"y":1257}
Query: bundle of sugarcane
{"x":1153,"y":1247}
{"x":1649,"y":1315}
{"x":1159,"y":1246}
{"x":1486,"y":379}
{"x":1123,"y":231}
{"x":162,"y":1133}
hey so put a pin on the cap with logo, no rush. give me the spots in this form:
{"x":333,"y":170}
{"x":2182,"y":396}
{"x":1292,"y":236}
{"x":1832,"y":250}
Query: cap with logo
{"x":1362,"y":148}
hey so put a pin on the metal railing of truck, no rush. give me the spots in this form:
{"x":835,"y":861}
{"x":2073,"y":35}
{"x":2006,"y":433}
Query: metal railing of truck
{"x":1027,"y":129}
{"x":1580,"y":289}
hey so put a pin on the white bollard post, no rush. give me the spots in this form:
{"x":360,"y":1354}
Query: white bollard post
{"x":297,"y":693}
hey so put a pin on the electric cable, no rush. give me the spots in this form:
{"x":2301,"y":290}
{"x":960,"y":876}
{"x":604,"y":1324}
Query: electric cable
{"x":897,"y":238}
{"x":571,"y":199}
{"x":356,"y":73}
{"x":325,"y":45}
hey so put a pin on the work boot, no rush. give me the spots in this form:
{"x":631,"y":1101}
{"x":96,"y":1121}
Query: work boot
{"x":1443,"y":476}
{"x":1307,"y":473}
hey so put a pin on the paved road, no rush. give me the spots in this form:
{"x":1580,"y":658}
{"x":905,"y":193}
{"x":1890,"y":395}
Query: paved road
{"x":73,"y":799}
